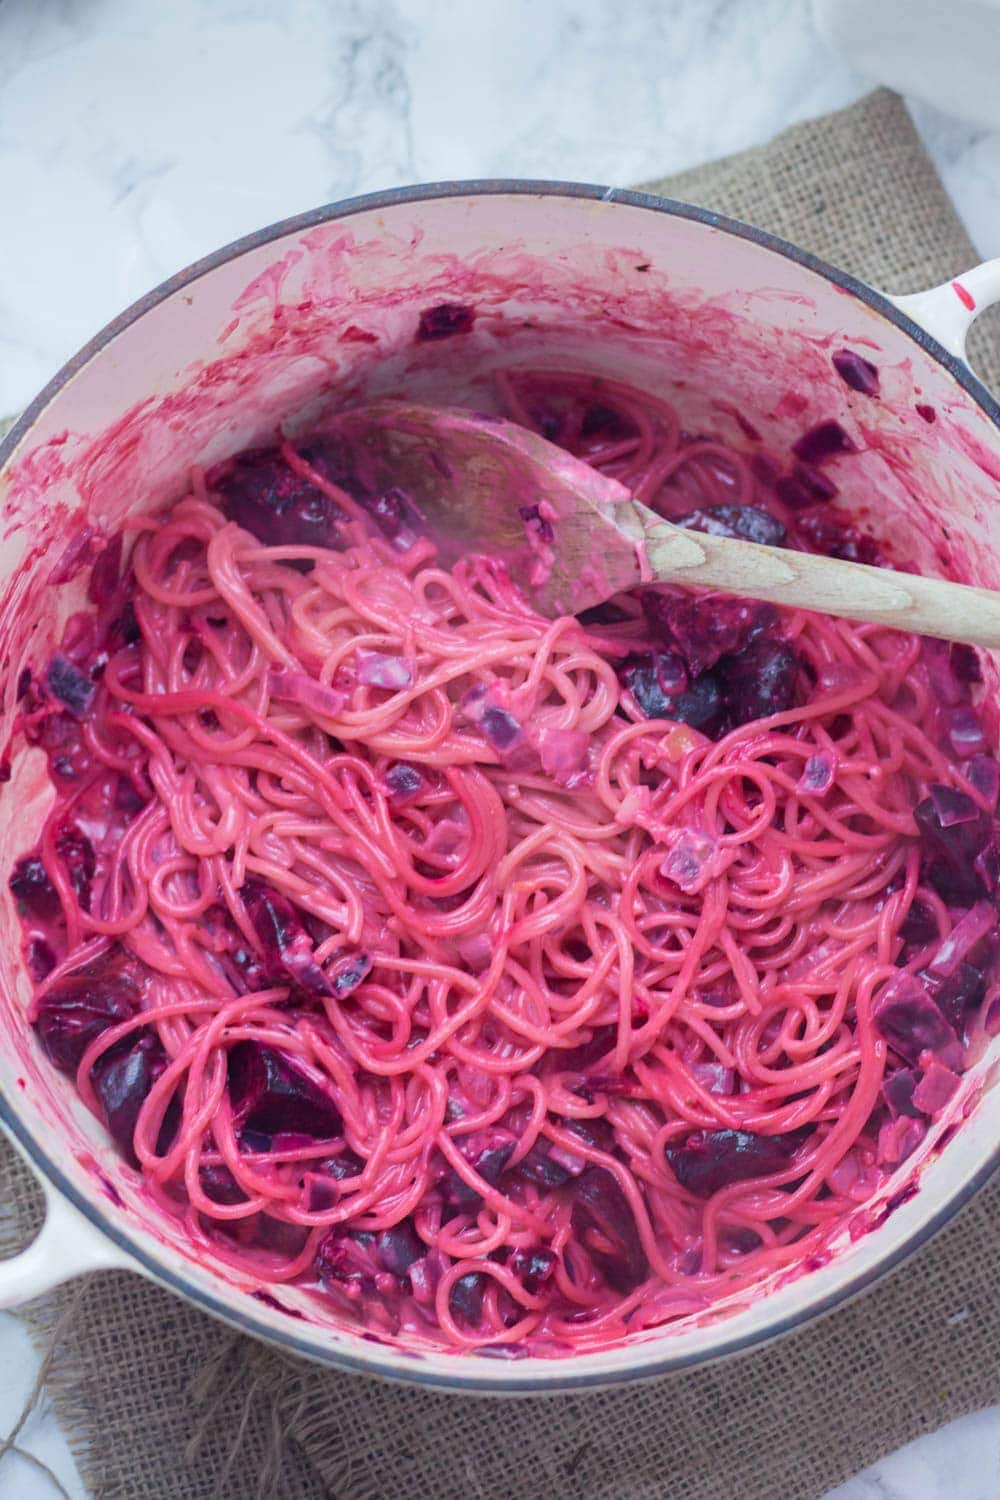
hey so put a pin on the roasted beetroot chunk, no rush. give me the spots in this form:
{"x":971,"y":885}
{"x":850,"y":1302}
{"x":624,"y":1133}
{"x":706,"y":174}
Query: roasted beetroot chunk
{"x":122,"y":1080}
{"x":714,"y":1159}
{"x":760,"y":680}
{"x":604,"y":1221}
{"x":444,"y":321}
{"x":266,"y":497}
{"x":912,"y":1024}
{"x":78,"y":1008}
{"x":269,"y":1093}
{"x":286,"y":947}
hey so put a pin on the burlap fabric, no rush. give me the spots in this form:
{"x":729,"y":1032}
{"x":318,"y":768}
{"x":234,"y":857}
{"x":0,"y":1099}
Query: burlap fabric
{"x":160,"y":1403}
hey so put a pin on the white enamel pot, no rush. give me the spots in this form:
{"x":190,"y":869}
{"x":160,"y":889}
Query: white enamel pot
{"x":720,"y":317}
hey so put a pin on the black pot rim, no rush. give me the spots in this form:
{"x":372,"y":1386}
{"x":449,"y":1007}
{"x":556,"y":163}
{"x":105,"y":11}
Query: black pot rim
{"x":484,"y":1382}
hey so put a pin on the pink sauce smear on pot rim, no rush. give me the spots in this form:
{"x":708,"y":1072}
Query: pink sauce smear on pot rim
{"x":513,"y":984}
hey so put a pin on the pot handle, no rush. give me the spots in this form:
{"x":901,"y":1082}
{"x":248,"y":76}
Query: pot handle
{"x":67,"y":1245}
{"x":948,"y":311}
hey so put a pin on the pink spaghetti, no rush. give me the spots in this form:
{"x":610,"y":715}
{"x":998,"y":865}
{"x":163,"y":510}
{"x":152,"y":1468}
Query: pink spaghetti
{"x":514,"y":983}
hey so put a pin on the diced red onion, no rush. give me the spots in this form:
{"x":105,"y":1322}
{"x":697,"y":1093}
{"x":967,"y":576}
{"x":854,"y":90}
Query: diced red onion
{"x":574,"y":1164}
{"x":977,"y":923}
{"x":818,"y":773}
{"x":965,"y":733}
{"x":714,"y":1077}
{"x":984,"y":774}
{"x":376,"y":669}
{"x":563,"y":753}
{"x":447,"y":838}
{"x":934,"y":1090}
{"x":945,"y":682}
{"x":952,"y":807}
{"x":298,"y":687}
{"x":898,"y":1139}
{"x":694,"y":859}
{"x":403,"y":782}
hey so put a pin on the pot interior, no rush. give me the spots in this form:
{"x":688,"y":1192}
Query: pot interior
{"x":325,"y":310}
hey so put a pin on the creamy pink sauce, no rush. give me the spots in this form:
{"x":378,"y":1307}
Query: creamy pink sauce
{"x":515,"y":983}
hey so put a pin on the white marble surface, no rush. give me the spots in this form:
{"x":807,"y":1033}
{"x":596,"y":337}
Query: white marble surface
{"x":137,"y":135}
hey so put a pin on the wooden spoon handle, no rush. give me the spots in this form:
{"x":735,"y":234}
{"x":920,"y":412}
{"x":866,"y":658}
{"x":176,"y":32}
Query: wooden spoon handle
{"x":905,"y":601}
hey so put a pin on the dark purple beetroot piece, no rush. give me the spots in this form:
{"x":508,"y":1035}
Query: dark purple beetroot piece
{"x":700,"y":706}
{"x":984,"y":774}
{"x":953,"y":807}
{"x":829,"y":537}
{"x":79,"y":1007}
{"x":965,"y":662}
{"x":67,"y":683}
{"x":597,"y":1133}
{"x":671,"y":673}
{"x":219,"y":1184}
{"x":267,"y":498}
{"x":926,"y":412}
{"x":76,"y":852}
{"x":32,"y":889}
{"x":397,"y":1248}
{"x":602,"y":1218}
{"x":583,"y":1057}
{"x":703,"y":630}
{"x":41,"y":959}
{"x":286,"y":946}
{"x":987,"y":862}
{"x":501,"y":728}
{"x":766,"y":469}
{"x":488,"y":1154}
{"x":749,"y":522}
{"x":533,"y":1267}
{"x":947,"y":670}
{"x":897,"y":1091}
{"x":345,"y":1164}
{"x":105,"y":575}
{"x":919,"y":927}
{"x":760,"y":680}
{"x":466,"y":1300}
{"x":911,"y":1023}
{"x":396,"y":514}
{"x":269,"y":1093}
{"x":348,"y":1261}
{"x":804,"y":486}
{"x":712,"y":1159}
{"x":825,"y":440}
{"x":541,"y":1168}
{"x":444,"y":321}
{"x":603,"y":421}
{"x":122,"y":1081}
{"x":960,"y":993}
{"x":952,"y":831}
{"x":859,"y":373}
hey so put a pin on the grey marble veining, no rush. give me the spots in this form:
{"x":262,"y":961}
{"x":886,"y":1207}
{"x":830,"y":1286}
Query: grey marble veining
{"x":137,"y":135}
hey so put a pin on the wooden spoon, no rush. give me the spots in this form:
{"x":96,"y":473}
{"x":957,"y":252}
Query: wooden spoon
{"x":571,"y":537}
